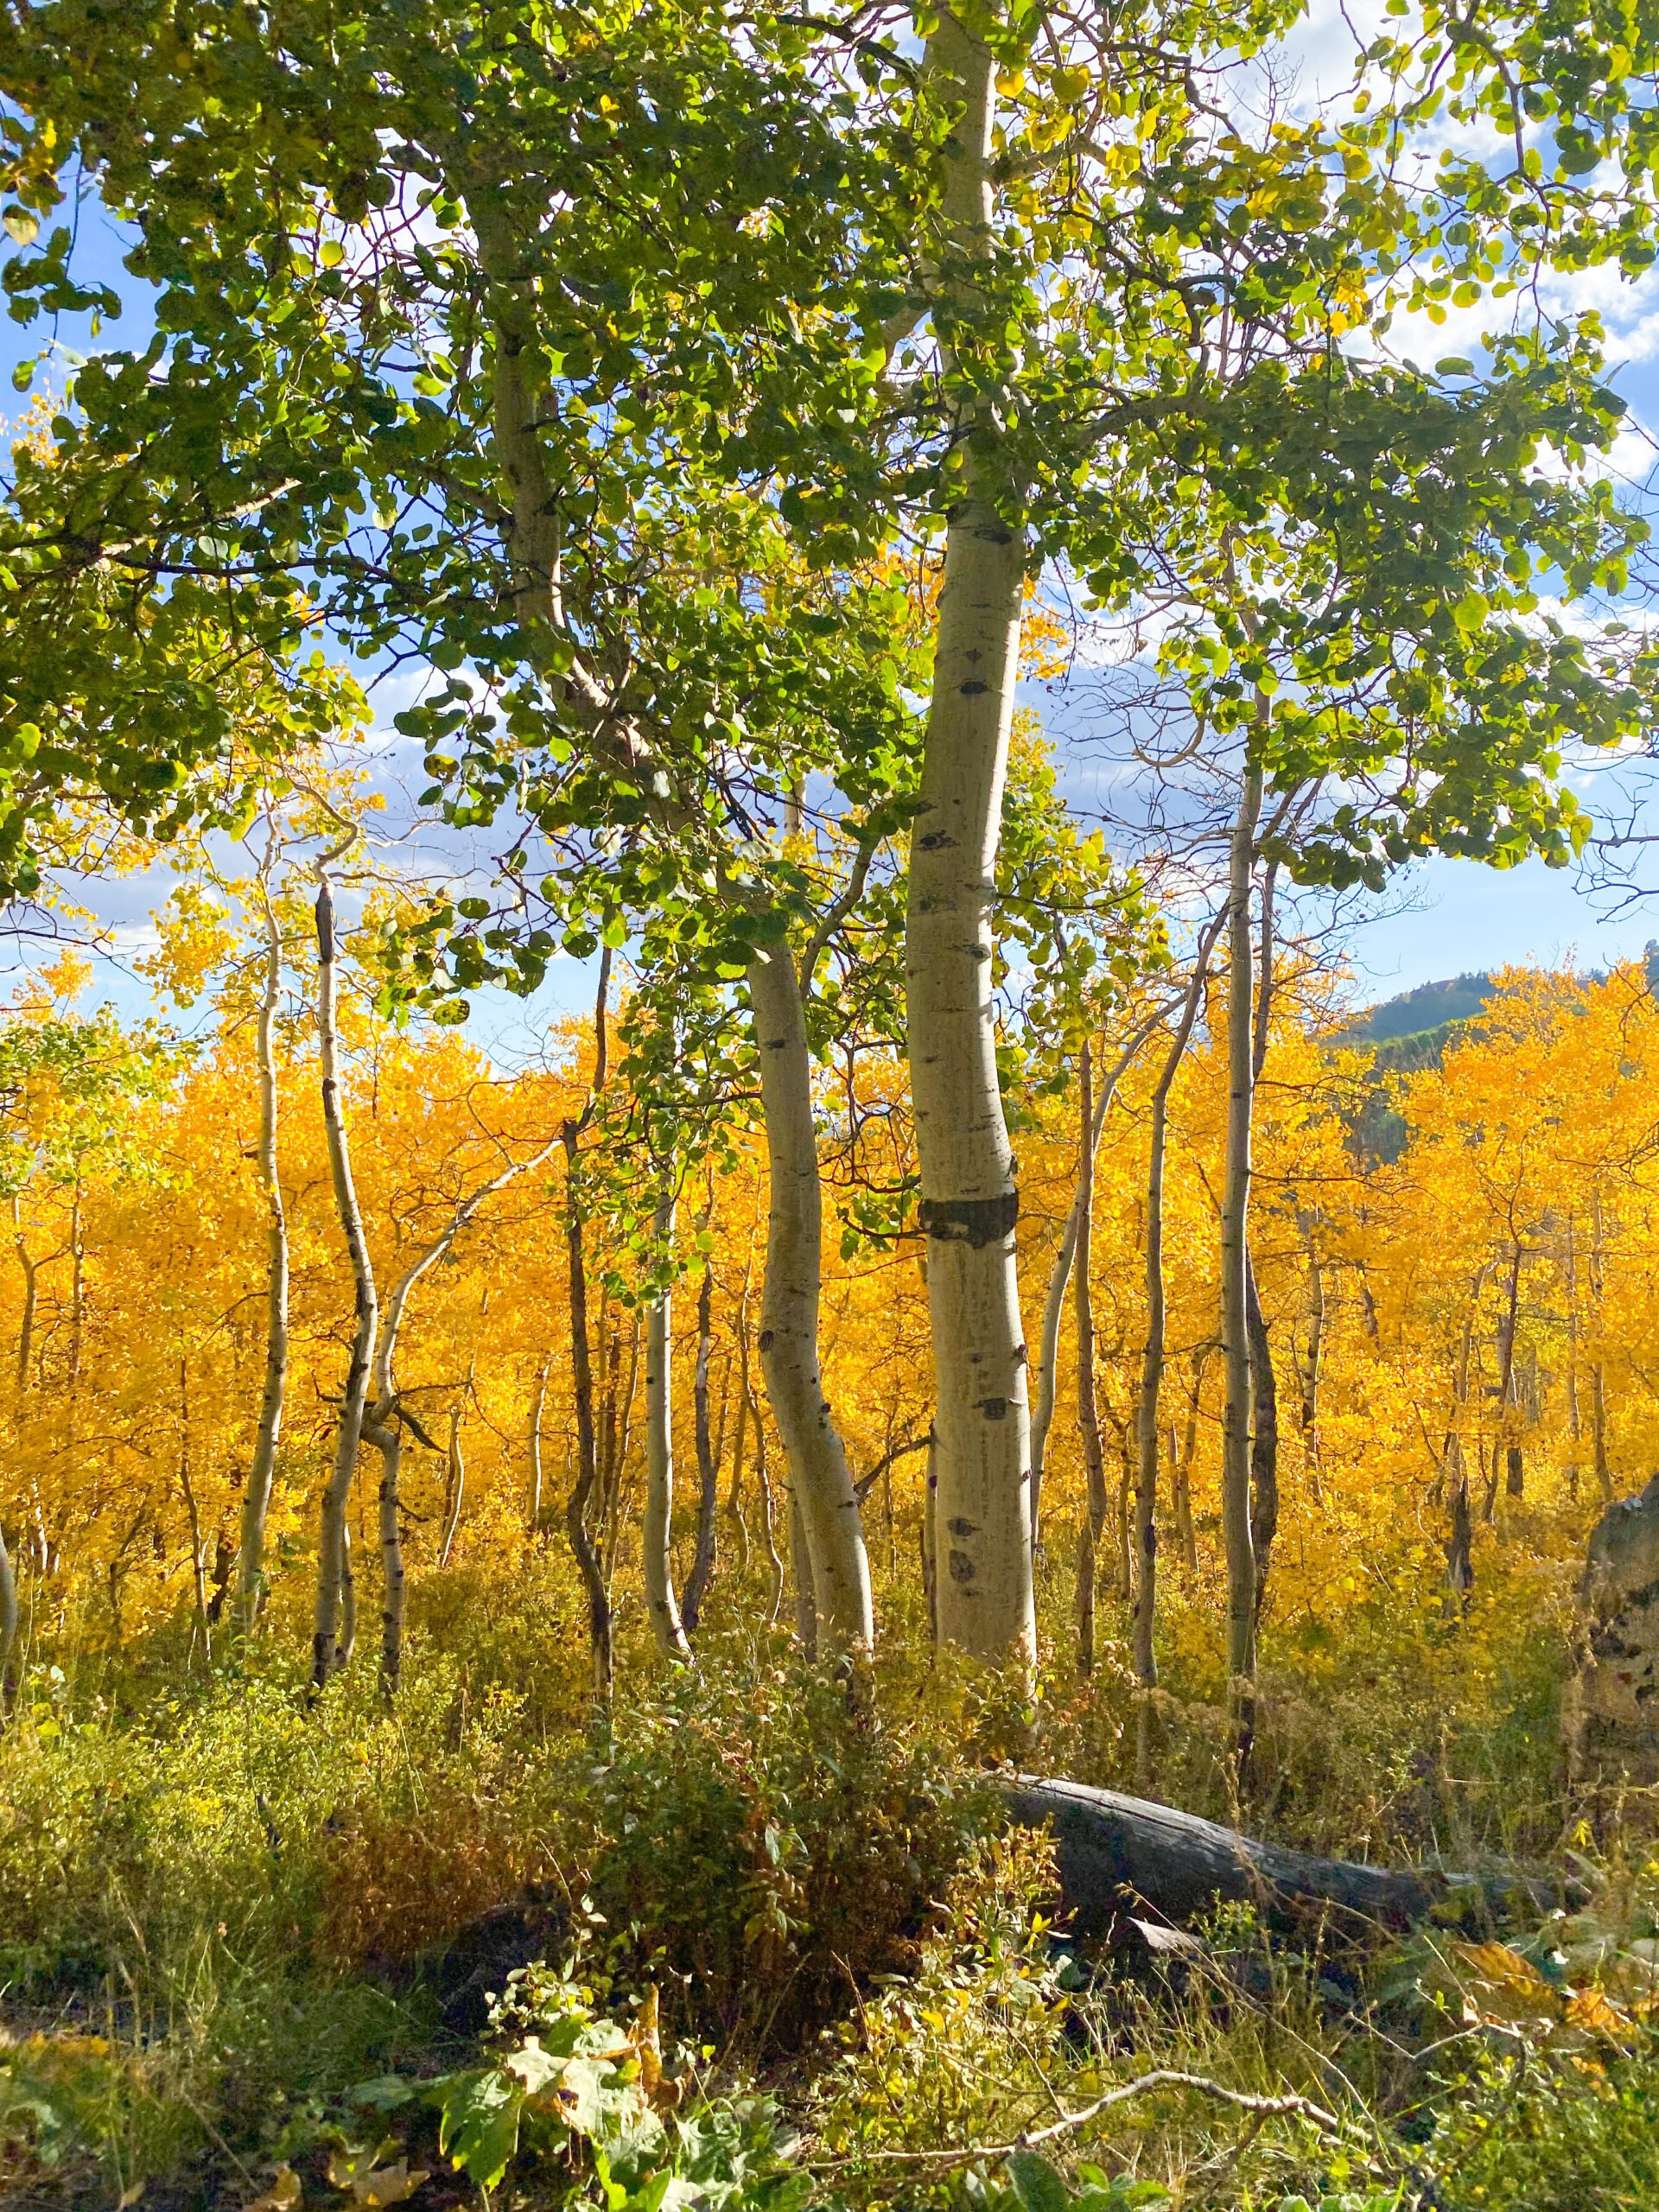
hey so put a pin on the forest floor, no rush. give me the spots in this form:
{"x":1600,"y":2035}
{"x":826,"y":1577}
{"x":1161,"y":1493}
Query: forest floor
{"x":768,"y":1943}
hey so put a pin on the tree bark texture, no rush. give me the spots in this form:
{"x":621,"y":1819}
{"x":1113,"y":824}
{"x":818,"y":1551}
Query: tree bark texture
{"x":697,"y":1583}
{"x":1264,"y":1438}
{"x":255,"y":1503}
{"x":1235,"y":1241}
{"x":579,"y":1504}
{"x":331,"y":1558}
{"x":657,"y":1536}
{"x":969,"y":1200}
{"x":819,"y":1477}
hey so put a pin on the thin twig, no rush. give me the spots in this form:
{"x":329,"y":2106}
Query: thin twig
{"x":1163,"y":2077}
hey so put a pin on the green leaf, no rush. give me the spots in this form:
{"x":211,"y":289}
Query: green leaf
{"x":21,"y":224}
{"x":1036,"y":2184}
{"x":478,"y":2129}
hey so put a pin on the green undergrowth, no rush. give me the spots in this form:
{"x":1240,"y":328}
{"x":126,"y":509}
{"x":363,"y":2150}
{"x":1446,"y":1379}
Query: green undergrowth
{"x":790,"y":1958}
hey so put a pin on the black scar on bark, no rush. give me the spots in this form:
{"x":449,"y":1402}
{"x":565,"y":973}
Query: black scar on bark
{"x":962,"y":1568}
{"x":975,"y":1221}
{"x":935,"y":840}
{"x":766,"y":1339}
{"x":973,"y":689}
{"x":960,"y":1525}
{"x":994,"y":1409}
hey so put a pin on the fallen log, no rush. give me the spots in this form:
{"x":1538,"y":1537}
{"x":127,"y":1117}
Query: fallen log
{"x":1119,"y":1856}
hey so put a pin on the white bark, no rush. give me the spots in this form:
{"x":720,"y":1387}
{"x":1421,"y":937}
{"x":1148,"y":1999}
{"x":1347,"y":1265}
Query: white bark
{"x":1235,"y":1244}
{"x":330,"y":1559}
{"x":1042,"y":1418}
{"x":820,"y":1480}
{"x":658,"y":1527}
{"x":533,"y":1444}
{"x":9,"y":1617}
{"x":256,"y":1505}
{"x":969,"y":1202}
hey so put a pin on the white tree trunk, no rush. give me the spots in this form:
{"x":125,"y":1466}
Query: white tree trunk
{"x":969,"y":1202}
{"x":256,"y":1505}
{"x":1235,"y":1240}
{"x":331,"y":1557}
{"x":658,"y":1532}
{"x":820,"y":1480}
{"x":9,"y":1617}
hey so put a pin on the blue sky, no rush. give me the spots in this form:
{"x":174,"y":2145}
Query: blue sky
{"x":1446,"y":917}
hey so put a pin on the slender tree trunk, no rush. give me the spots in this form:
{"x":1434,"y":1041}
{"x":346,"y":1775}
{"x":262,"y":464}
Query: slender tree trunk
{"x":739,"y":1441}
{"x":332,"y":1556}
{"x":1503,"y":1444}
{"x":585,"y":1553}
{"x":768,"y":1520}
{"x":1312,"y":1370}
{"x":31,"y":1297}
{"x":387,"y":1438}
{"x":969,"y":1200}
{"x":1148,"y":1411}
{"x":1598,"y":1371}
{"x":255,"y":1503}
{"x":1264,"y":1438}
{"x":1234,"y":1244}
{"x":454,"y":1486}
{"x":657,"y":1535}
{"x":819,"y":1477}
{"x":697,"y":1583}
{"x":1574,"y":1411}
{"x":193,"y":1518}
{"x":9,"y":1619}
{"x":1459,"y":1550}
{"x":533,"y":1444}
{"x":1059,"y":1276}
{"x":1181,"y":1504}
{"x":347,"y":1644}
{"x":1094,"y":1462}
{"x":930,"y":1541}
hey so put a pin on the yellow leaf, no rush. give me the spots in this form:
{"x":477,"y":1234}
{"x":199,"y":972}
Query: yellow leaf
{"x":282,"y":2195}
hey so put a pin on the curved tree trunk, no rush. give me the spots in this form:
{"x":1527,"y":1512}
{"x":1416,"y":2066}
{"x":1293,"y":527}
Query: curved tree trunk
{"x":1235,"y":1244}
{"x":969,"y":1200}
{"x":256,"y":1505}
{"x":821,"y":1482}
{"x":658,"y":1529}
{"x":332,"y":1554}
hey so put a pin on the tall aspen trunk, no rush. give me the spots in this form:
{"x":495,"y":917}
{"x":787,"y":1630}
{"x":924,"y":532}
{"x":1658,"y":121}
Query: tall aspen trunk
{"x":332,"y":1548}
{"x":347,"y":1644}
{"x":739,"y":1441}
{"x":1094,"y":1462}
{"x":192,"y":1520}
{"x":585,"y":1553}
{"x":1042,"y":1418}
{"x":969,"y":1200}
{"x":702,"y":1559}
{"x":1148,"y":1413}
{"x":1313,"y":1367}
{"x":1503,"y":1444}
{"x":1574,"y":1412}
{"x":819,"y":1478}
{"x":806,"y":1595}
{"x":533,"y":1445}
{"x":387,"y":1438}
{"x":1181,"y":1504}
{"x":1598,"y":1371}
{"x":454,"y":1485}
{"x":658,"y":1533}
{"x":9,"y":1619}
{"x":1235,"y":1242}
{"x":1264,"y":1390}
{"x":1460,"y":1549}
{"x":255,"y":1503}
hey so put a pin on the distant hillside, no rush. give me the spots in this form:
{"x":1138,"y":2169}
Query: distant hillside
{"x":1430,"y":1006}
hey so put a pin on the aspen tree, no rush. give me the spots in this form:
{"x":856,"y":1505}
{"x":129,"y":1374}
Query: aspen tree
{"x":1235,"y":1235}
{"x":255,"y":1503}
{"x":969,"y":1201}
{"x":335,"y":1538}
{"x":658,"y":1530}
